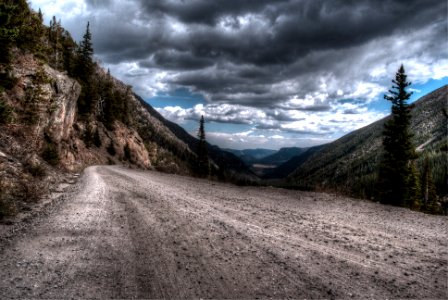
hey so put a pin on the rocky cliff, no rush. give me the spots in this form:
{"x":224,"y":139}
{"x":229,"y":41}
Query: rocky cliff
{"x":45,"y":137}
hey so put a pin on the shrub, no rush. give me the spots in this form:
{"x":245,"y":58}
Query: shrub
{"x":36,"y":170}
{"x":127,"y":152}
{"x":33,"y":96}
{"x":7,"y":82}
{"x":111,"y":149}
{"x":50,"y":154}
{"x":97,"y":138}
{"x":5,"y":112}
{"x":29,"y":190}
{"x":7,"y":205}
{"x":88,"y":137}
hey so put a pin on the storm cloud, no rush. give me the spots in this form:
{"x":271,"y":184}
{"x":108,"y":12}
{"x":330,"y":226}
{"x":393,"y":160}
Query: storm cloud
{"x":267,"y":55}
{"x":263,"y":52}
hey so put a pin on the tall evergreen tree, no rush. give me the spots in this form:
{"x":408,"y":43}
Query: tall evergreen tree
{"x":395,"y":167}
{"x":203,"y":164}
{"x":85,"y":55}
{"x":68,"y":53}
{"x":84,"y":72}
{"x":40,"y":15}
{"x":55,"y":37}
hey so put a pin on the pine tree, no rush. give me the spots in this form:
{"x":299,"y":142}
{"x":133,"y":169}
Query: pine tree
{"x":203,"y":163}
{"x":40,"y":15}
{"x":68,"y":53}
{"x":84,"y":72}
{"x":85,"y":56}
{"x":55,"y":37}
{"x":395,"y":167}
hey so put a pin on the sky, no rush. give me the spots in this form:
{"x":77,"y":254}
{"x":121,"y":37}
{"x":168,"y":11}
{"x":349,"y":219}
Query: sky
{"x":265,"y":73}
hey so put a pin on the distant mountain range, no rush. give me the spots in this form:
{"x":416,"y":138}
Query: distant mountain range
{"x":267,"y":156}
{"x":263,"y":161}
{"x":251,"y":156}
{"x":281,"y":156}
{"x":286,"y":168}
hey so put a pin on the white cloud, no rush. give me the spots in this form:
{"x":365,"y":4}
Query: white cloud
{"x":277,"y":137}
{"x":65,"y":10}
{"x":242,"y":141}
{"x":342,"y":119}
{"x":414,"y":90}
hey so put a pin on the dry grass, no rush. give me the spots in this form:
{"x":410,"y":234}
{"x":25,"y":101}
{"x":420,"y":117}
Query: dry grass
{"x":7,"y":203}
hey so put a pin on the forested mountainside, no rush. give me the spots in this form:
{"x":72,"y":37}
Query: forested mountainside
{"x":60,"y":111}
{"x":231,"y":165}
{"x":349,"y":164}
{"x":286,"y":168}
{"x":267,"y":156}
{"x":282,"y":156}
{"x":251,"y":156}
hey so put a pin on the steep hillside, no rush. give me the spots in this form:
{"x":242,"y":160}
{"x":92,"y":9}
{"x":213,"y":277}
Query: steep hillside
{"x":292,"y":164}
{"x":251,"y":156}
{"x":228,"y":163}
{"x":281,"y":156}
{"x":349,"y":165}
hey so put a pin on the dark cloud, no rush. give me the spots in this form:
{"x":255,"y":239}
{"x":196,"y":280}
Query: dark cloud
{"x":98,"y":3}
{"x":264,"y":52}
{"x":268,"y":126}
{"x":351,"y":111}
{"x":316,"y":108}
{"x":175,"y":60}
{"x":204,"y":11}
{"x":291,"y":29}
{"x":282,"y":116}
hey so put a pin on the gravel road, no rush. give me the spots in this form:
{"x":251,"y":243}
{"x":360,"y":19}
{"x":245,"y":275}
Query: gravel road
{"x":121,"y":233}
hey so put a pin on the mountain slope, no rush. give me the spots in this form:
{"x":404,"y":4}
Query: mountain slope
{"x":292,"y":164}
{"x":349,"y":164}
{"x":225,"y":161}
{"x":282,"y":155}
{"x":251,"y":156}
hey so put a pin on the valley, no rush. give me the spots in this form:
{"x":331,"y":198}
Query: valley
{"x":123,"y":233}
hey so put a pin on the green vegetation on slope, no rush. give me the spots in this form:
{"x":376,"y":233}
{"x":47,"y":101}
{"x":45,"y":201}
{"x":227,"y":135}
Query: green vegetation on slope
{"x":349,"y":165}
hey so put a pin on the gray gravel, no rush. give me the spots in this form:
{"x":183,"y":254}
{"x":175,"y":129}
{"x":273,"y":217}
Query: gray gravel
{"x":122,"y":233}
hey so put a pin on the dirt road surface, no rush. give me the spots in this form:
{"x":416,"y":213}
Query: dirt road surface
{"x":122,"y":233}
